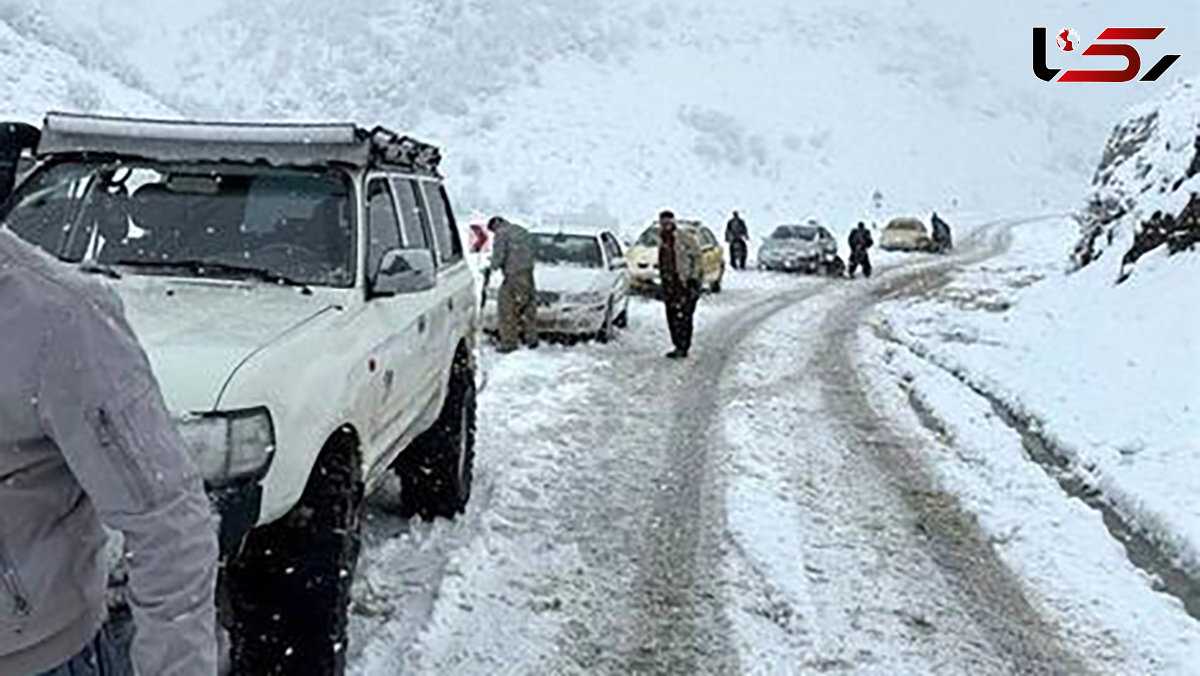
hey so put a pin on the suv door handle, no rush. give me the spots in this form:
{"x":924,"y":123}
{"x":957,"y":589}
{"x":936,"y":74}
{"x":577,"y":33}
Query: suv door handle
{"x":421,"y":324}
{"x":450,"y":304}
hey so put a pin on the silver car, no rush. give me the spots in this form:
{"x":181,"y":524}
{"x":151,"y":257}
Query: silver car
{"x":799,"y":248}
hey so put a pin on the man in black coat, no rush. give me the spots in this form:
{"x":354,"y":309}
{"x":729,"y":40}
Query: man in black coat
{"x":14,"y":138}
{"x":737,"y":235}
{"x":860,"y":241}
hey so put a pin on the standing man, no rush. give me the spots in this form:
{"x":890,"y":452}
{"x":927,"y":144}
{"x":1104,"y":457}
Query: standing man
{"x":14,"y":137}
{"x":512,"y":253}
{"x":737,"y":235}
{"x":85,"y":440}
{"x":679,"y":269}
{"x":860,"y":241}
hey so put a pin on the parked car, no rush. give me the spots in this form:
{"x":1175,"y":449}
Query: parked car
{"x":302,"y":294}
{"x":643,"y":258}
{"x":906,"y":234}
{"x":799,"y":248}
{"x":582,"y":283}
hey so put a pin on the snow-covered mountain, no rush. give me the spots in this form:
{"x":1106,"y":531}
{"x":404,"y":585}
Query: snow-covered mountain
{"x":780,"y":110}
{"x":35,"y":77}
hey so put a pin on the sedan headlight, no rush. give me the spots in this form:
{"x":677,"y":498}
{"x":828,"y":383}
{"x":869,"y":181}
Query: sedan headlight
{"x":230,"y":445}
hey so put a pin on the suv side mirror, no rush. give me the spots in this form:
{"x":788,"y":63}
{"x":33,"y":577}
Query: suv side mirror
{"x":404,"y":271}
{"x":618,"y":264}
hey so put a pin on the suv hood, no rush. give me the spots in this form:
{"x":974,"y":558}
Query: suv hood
{"x":197,"y":332}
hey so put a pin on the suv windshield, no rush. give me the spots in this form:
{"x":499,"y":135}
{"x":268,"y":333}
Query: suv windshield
{"x":795,"y":232}
{"x":192,"y":220}
{"x":575,"y":250}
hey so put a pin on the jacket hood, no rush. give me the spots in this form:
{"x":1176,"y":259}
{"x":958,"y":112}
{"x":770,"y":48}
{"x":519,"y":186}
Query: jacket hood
{"x":198,"y":332}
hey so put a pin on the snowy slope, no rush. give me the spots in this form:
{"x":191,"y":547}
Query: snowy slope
{"x":779,"y":110}
{"x":35,"y":78}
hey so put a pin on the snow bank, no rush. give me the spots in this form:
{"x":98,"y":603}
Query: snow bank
{"x":1109,"y":374}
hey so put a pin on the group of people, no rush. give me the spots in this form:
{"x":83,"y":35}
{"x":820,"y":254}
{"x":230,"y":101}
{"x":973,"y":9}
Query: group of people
{"x":679,"y":267}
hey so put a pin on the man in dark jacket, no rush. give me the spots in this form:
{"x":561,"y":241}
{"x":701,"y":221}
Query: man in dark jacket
{"x":680,"y":271}
{"x":860,"y":242}
{"x":85,"y":440}
{"x":14,"y":137}
{"x":737,"y":235}
{"x":941,"y":234}
{"x":513,"y":254}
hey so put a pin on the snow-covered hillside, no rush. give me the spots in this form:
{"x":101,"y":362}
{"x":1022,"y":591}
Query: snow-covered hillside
{"x":35,"y":78}
{"x":549,"y":105}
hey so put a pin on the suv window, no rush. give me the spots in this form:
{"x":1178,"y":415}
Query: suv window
{"x":414,"y":220}
{"x":450,"y":249}
{"x":707,"y":239}
{"x":194,"y":220}
{"x":383,"y":228}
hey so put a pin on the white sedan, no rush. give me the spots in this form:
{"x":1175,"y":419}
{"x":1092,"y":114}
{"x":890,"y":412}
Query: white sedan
{"x":582,"y":283}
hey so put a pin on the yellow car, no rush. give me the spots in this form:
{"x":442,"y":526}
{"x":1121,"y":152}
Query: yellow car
{"x":643,"y":258}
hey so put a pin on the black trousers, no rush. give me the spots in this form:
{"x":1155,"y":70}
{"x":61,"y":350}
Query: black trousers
{"x":858,"y":258}
{"x":737,"y":254}
{"x":680,"y":302}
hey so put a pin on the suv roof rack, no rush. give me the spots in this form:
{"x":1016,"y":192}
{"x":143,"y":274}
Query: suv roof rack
{"x":279,"y":144}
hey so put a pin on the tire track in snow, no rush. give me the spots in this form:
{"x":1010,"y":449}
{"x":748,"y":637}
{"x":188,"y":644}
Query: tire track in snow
{"x":678,"y":600}
{"x":990,"y":592}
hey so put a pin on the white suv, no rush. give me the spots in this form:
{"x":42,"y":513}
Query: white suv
{"x":302,"y":293}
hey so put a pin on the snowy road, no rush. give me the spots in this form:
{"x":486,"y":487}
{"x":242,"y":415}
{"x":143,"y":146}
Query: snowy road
{"x":748,"y":511}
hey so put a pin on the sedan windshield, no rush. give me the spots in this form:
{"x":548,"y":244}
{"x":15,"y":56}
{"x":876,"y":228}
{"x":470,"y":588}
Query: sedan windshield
{"x":795,"y":232}
{"x":650,"y":238}
{"x":574,"y":250}
{"x":228,"y":221}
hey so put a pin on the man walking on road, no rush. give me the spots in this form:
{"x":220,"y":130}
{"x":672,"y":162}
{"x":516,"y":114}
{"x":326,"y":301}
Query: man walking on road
{"x":737,"y":235}
{"x":860,"y":241}
{"x":679,"y":269}
{"x":85,"y":440}
{"x":513,"y":254}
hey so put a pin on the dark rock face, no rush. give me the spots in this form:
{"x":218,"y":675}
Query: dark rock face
{"x":1142,"y":179}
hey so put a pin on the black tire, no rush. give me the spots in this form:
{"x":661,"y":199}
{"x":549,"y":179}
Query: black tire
{"x":607,"y":330}
{"x":715,"y":287}
{"x":436,"y":472}
{"x":289,"y":589}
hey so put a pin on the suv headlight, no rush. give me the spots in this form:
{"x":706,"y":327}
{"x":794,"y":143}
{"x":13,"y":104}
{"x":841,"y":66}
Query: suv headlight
{"x":230,"y":445}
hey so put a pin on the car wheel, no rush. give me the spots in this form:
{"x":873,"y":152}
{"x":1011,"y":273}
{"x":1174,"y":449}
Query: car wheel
{"x":436,"y":472}
{"x":715,"y":287}
{"x":622,"y":320}
{"x":289,"y":589}
{"x":607,"y":330}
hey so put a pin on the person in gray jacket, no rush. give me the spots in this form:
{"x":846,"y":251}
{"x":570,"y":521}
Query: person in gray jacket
{"x":512,"y":252}
{"x":85,"y":440}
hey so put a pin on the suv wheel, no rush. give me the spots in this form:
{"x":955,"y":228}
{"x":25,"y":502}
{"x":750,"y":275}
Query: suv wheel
{"x":715,"y":287}
{"x":290,"y":587}
{"x":437,"y":471}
